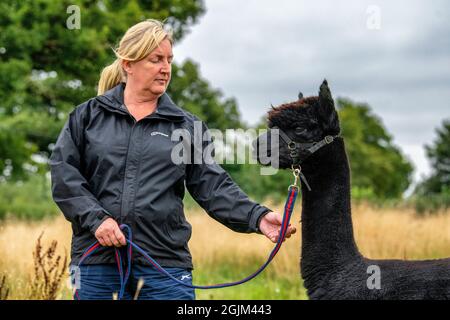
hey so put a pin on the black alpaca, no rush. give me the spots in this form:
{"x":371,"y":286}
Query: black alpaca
{"x":331,"y":265}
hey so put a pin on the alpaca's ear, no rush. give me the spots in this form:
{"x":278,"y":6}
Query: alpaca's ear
{"x":327,"y":112}
{"x":325,"y":99}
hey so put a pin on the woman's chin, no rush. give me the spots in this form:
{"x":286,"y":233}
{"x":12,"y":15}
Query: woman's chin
{"x":157,"y":90}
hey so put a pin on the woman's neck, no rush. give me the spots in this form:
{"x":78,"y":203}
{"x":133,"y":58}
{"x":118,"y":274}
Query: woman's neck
{"x":137,"y":96}
{"x":139,"y":103}
{"x":327,"y":230}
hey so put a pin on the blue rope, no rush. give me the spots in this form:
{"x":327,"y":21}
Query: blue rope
{"x":288,"y":209}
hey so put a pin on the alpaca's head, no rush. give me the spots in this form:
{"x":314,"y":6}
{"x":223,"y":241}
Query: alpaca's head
{"x":305,"y":120}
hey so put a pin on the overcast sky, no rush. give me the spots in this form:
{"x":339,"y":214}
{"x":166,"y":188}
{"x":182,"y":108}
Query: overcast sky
{"x":393,"y":55}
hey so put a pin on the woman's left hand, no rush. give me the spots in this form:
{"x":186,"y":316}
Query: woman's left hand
{"x":270,"y":226}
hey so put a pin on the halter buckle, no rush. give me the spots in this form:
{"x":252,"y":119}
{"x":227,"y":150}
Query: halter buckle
{"x":291,"y":145}
{"x":329,"y":139}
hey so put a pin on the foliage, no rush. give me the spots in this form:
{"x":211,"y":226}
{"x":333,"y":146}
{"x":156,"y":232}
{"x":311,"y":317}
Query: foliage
{"x":193,"y":93}
{"x":46,"y":69}
{"x":438,"y":154}
{"x":433,"y":193}
{"x":30,"y":199}
{"x":375,"y":162}
{"x":363,"y":194}
{"x":14,"y":149}
{"x":432,"y":202}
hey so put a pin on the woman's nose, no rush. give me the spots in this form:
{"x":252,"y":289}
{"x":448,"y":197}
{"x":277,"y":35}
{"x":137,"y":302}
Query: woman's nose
{"x":165,"y":67}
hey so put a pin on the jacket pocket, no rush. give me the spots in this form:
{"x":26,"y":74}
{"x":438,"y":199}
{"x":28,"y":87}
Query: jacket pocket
{"x":76,"y":229}
{"x":178,"y":230}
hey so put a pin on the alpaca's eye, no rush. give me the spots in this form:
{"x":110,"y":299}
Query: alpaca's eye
{"x":299,"y":131}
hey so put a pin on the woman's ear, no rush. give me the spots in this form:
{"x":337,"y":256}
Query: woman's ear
{"x":127,"y":66}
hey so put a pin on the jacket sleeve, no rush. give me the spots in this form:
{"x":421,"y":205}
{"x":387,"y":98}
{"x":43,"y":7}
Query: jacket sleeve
{"x":70,"y":189}
{"x":215,"y":191}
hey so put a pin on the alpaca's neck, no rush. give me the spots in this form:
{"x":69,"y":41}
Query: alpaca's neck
{"x":327,"y":231}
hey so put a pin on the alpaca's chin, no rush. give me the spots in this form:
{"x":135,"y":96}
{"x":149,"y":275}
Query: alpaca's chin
{"x":284,"y":162}
{"x":281,"y":164}
{"x":279,"y":159}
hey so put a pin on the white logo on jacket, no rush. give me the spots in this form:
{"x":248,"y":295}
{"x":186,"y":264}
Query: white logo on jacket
{"x":154,"y":133}
{"x":186,"y":276}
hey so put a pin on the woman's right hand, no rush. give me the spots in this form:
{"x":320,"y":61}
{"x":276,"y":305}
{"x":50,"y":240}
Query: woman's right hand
{"x":109,"y":234}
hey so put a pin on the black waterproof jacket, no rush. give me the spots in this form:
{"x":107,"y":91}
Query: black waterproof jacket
{"x":105,"y":164}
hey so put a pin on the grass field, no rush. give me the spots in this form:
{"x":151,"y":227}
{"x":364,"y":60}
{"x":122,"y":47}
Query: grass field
{"x":221,"y":255}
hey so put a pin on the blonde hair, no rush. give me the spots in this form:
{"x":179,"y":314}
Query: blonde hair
{"x":135,"y":45}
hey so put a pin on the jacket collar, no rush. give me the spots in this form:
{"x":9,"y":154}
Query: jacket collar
{"x":113,"y":100}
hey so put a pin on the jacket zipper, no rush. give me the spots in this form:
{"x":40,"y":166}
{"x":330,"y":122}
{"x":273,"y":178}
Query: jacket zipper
{"x":122,"y":205}
{"x":135,"y":123}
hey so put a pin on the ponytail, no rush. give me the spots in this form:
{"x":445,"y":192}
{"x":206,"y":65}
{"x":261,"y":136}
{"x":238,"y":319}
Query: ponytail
{"x":111,"y":76}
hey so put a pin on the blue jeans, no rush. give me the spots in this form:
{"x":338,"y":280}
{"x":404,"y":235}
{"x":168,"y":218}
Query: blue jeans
{"x":100,"y":281}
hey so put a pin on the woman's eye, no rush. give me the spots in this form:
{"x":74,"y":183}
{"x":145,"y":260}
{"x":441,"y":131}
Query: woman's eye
{"x":157,"y":60}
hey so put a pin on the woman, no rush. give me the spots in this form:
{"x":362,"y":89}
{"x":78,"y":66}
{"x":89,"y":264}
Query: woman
{"x":112,"y":165}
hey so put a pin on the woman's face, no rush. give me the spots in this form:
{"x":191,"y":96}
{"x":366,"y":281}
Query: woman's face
{"x":154,"y":71}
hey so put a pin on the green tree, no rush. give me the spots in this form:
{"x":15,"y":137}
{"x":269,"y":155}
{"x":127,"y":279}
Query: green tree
{"x":376,"y":163}
{"x":13,"y":149}
{"x":47,"y":69}
{"x":438,"y":153}
{"x":193,"y":93}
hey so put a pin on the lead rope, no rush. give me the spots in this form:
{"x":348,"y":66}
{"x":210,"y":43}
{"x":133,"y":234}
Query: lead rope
{"x":288,"y":209}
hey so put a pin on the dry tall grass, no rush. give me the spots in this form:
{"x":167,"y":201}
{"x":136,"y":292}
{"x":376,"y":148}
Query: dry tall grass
{"x":18,"y":245}
{"x":385,"y":233}
{"x":4,"y":290}
{"x":49,"y":271}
